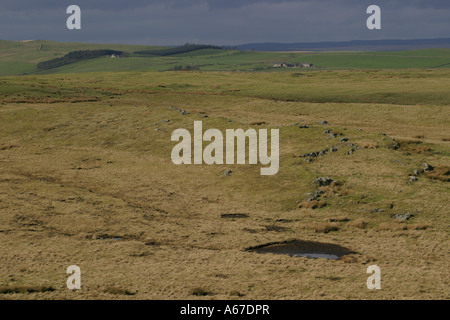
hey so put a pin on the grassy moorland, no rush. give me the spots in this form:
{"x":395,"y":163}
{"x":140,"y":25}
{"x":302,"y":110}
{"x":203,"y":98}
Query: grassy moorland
{"x":86,"y":178}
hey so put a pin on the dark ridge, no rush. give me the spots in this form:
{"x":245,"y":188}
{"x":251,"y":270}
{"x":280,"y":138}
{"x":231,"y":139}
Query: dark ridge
{"x":76,"y":56}
{"x":354,"y":45}
{"x":178,"y":50}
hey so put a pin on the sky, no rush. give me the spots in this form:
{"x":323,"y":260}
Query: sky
{"x":222,"y":22}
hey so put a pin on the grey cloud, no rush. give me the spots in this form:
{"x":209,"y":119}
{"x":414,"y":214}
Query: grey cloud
{"x":223,"y":22}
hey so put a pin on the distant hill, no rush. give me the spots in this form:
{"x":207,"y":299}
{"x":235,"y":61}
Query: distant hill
{"x":20,"y":57}
{"x":355,"y":45}
{"x":177,"y":50}
{"x":47,"y":57}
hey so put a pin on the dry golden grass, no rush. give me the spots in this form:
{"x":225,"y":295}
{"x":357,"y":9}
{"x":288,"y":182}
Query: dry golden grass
{"x":367,"y":144}
{"x":99,"y":189}
{"x":358,"y":223}
{"x":312,"y":204}
{"x":7,"y":147}
{"x":323,"y":227}
{"x":418,"y":226}
{"x":393,"y":226}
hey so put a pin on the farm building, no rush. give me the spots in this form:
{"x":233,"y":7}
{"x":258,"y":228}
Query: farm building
{"x":292,"y":65}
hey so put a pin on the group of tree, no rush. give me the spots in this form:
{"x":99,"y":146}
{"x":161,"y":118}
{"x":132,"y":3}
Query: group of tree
{"x":76,"y":56}
{"x":184,"y":68}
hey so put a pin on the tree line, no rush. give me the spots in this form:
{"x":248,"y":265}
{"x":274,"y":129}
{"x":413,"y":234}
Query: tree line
{"x":76,"y":56}
{"x":178,"y":50}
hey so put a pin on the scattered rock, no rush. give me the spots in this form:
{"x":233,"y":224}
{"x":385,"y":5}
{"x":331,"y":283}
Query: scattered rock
{"x":324,"y":123}
{"x":303,"y":126}
{"x":351,"y":151}
{"x":315,"y":154}
{"x":227,"y":172}
{"x":403,"y":217}
{"x":165,"y":120}
{"x":314,"y":196}
{"x":427,"y":167}
{"x":344,"y":140}
{"x":333,"y":149}
{"x":323,"y":181}
{"x":377,"y":210}
{"x":412,"y":179}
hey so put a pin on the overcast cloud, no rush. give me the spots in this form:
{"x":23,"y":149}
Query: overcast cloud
{"x":222,"y":22}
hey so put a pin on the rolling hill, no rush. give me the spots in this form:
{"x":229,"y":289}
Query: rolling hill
{"x":355,"y":45}
{"x":19,"y":58}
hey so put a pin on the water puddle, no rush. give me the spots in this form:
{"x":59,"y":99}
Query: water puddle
{"x":317,"y":255}
{"x":306,"y":249}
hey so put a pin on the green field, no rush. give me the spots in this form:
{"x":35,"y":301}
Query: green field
{"x":21,"y":58}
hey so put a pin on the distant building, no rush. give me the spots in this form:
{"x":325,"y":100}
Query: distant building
{"x":292,"y":65}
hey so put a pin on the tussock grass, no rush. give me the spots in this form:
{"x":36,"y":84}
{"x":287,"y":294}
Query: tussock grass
{"x":199,"y":292}
{"x":315,"y":204}
{"x":358,"y":223}
{"x":441,"y":173}
{"x":413,"y":145}
{"x":322,"y":227}
{"x":118,"y":291}
{"x":25,"y":289}
{"x":393,"y":226}
{"x":419,"y":226}
{"x":338,"y":219}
